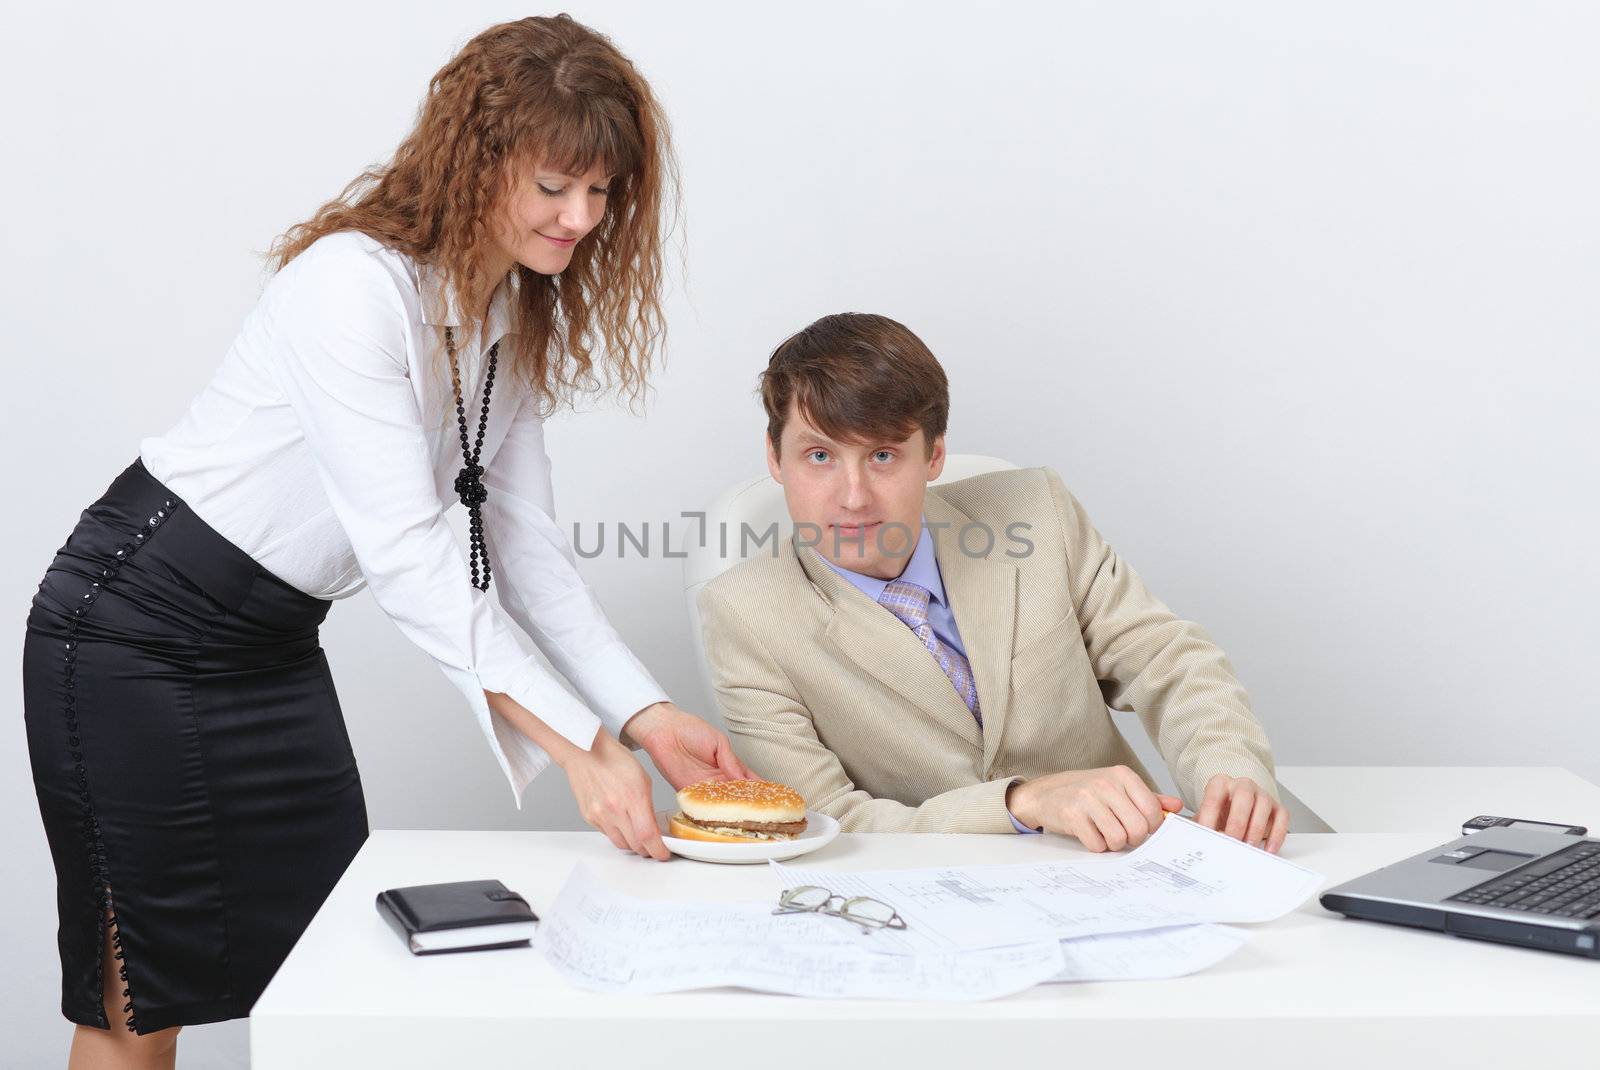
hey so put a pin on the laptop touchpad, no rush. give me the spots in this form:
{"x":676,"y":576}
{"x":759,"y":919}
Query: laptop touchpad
{"x":1494,"y":861}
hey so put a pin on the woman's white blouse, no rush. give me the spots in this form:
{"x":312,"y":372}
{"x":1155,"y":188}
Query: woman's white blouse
{"x":326,"y":447}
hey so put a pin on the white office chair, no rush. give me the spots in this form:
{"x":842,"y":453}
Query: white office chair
{"x":757,"y":504}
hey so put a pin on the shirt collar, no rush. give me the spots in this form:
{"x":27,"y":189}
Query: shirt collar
{"x":922,"y":569}
{"x":441,"y":309}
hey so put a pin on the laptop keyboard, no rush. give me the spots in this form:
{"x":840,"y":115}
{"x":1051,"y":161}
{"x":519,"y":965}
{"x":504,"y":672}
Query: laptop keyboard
{"x":1566,"y":885}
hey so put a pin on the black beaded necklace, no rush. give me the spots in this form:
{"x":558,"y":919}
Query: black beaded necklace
{"x":469,"y":483}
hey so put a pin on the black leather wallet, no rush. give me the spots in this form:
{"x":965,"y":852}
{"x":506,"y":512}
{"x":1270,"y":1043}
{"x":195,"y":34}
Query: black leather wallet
{"x":459,"y":916}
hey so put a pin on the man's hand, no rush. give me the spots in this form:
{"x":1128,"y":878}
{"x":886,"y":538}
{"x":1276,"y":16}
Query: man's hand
{"x":1236,"y":806}
{"x":1106,"y":809}
{"x":686,"y":749}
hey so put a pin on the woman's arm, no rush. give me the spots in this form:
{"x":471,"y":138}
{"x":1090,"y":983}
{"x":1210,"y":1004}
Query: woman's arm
{"x":541,"y":589}
{"x":612,"y":789}
{"x":337,"y":348}
{"x":538,"y":583}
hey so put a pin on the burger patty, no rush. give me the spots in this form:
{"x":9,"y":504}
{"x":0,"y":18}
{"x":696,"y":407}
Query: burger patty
{"x":791,"y":828}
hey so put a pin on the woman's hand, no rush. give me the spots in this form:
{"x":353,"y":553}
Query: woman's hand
{"x":613,"y":793}
{"x":612,"y":788}
{"x":686,"y":749}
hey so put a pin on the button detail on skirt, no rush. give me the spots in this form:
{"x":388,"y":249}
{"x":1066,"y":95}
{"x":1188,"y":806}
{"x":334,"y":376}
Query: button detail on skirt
{"x":86,"y":822}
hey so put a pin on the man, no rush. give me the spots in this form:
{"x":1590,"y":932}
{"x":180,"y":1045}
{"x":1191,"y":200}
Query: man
{"x":942,"y":660}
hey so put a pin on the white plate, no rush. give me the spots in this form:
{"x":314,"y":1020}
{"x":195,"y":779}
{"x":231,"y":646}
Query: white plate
{"x":820,"y":831}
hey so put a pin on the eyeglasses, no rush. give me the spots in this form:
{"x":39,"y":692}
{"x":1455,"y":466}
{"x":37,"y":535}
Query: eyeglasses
{"x":866,"y":912}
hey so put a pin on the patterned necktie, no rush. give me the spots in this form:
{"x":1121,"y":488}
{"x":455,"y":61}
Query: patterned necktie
{"x":909,"y":602}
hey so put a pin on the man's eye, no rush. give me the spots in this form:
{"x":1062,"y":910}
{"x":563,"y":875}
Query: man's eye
{"x":883,"y":456}
{"x":817,"y":456}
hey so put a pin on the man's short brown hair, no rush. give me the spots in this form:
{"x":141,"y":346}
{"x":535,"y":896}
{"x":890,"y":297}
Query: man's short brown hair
{"x":857,"y":378}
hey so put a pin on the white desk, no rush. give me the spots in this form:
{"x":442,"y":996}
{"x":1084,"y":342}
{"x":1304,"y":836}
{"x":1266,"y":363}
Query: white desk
{"x":1436,"y":799}
{"x":1322,"y":990}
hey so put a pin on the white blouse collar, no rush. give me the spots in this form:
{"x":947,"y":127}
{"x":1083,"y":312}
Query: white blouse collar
{"x":440,"y":307}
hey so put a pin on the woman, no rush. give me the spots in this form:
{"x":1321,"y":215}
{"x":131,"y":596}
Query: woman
{"x":192,"y":766}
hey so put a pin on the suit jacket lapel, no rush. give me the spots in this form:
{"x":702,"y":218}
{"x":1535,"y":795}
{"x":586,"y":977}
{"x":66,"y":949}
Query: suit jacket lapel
{"x":983,"y":597}
{"x":884,"y":648}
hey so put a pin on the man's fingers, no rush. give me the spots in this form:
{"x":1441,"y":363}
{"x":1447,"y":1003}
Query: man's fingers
{"x":1280,"y":828}
{"x":1149,"y":806}
{"x":1260,"y":819}
{"x":1135,"y":825}
{"x":1109,"y":827}
{"x":1211,"y":805}
{"x":1241,"y":799}
{"x":1088,"y":833}
{"x":1139,"y":796}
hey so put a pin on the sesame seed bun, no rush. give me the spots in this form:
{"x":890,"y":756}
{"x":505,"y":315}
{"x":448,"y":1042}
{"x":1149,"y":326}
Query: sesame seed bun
{"x":738,"y":811}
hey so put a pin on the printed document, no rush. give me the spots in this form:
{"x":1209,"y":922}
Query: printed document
{"x":605,"y":941}
{"x":1184,"y":874}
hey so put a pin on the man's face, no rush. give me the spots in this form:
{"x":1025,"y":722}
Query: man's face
{"x":859,"y":504}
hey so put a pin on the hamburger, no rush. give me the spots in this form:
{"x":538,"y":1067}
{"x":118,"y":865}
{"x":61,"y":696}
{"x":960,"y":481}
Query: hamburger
{"x":738,"y":811}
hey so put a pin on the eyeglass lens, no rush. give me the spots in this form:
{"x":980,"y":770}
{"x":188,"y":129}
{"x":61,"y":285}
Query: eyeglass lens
{"x":809,"y":897}
{"x":871,"y":911}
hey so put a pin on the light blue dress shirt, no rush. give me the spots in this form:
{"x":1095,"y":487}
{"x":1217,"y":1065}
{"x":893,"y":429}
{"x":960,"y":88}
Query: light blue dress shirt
{"x":923,"y":570}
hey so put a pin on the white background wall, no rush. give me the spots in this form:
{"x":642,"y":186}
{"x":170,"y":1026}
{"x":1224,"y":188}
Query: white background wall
{"x":1298,"y":298}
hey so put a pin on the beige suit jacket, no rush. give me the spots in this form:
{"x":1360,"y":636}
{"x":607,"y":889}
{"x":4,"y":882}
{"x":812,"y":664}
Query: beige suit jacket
{"x":825,"y":690}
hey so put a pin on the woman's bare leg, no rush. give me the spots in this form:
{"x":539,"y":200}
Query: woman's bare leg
{"x":117,"y":1048}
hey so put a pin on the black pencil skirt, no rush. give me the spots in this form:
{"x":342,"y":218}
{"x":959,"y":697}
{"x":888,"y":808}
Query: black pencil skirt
{"x":194,"y":774}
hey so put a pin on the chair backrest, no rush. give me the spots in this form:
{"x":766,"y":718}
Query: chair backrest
{"x":757,"y":506}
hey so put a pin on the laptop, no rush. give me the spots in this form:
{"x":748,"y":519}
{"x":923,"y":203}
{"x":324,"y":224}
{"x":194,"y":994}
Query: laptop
{"x":1528,"y":887}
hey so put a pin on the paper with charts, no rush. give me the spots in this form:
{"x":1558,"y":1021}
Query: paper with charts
{"x":606,"y":941}
{"x":1184,"y":874}
{"x":975,"y":932}
{"x":1149,"y":955}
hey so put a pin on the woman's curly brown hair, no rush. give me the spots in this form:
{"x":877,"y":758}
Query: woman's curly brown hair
{"x":538,"y":90}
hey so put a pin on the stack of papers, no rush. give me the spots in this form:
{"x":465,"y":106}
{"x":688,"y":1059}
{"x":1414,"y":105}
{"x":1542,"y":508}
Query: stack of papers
{"x":974,"y":932}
